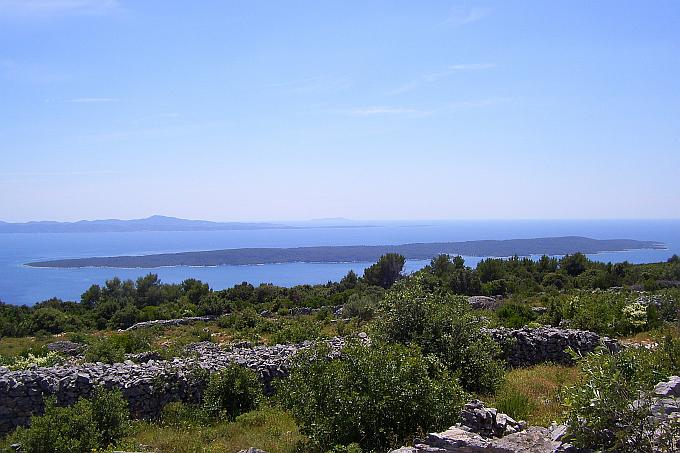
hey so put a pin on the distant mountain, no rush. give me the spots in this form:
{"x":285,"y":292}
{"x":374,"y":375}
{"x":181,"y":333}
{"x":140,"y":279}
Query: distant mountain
{"x":359,"y":253}
{"x":153,"y":223}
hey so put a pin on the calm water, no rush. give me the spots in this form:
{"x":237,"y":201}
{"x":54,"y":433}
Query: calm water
{"x":20,"y":284}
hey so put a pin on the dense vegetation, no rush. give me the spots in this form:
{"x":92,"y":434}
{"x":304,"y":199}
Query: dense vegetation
{"x":428,"y":354}
{"x":119,"y":304}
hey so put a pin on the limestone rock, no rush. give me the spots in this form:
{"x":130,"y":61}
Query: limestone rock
{"x":483,"y":303}
{"x":668,"y":388}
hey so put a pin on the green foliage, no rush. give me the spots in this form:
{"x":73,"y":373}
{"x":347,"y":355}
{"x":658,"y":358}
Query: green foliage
{"x":120,"y":303}
{"x":600,"y":409}
{"x":443,"y":325}
{"x":351,"y":448}
{"x":454,"y":275}
{"x":386,"y":271}
{"x":515,"y":314}
{"x":574,"y":264}
{"x":180,"y":415}
{"x":296,"y":331}
{"x":50,"y":320}
{"x":377,"y":396}
{"x":244,"y":319}
{"x":231,"y":392}
{"x":360,"y":306}
{"x":112,"y":349}
{"x":89,"y":424}
{"x":29,"y":361}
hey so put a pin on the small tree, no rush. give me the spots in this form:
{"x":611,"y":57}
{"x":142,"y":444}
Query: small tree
{"x":574,"y":264}
{"x":378,"y":396}
{"x":444,"y":325}
{"x":386,"y":271}
{"x":232,"y":391}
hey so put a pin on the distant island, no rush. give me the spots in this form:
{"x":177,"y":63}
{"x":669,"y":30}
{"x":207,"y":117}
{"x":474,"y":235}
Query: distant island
{"x":162,"y":223}
{"x":359,"y":253}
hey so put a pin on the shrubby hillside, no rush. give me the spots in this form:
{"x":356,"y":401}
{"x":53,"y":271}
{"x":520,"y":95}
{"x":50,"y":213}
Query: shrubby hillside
{"x":426,"y":348}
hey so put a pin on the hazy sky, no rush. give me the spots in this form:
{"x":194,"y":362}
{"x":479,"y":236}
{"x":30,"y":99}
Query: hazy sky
{"x":248,"y":110}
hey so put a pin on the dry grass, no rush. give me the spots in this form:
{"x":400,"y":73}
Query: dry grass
{"x":271,"y":429}
{"x":12,"y":347}
{"x":533,"y":393}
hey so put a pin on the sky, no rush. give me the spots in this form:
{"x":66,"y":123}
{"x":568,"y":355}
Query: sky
{"x":282,"y":110}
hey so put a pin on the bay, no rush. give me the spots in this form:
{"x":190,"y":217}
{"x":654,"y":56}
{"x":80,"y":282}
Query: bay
{"x":20,"y":284}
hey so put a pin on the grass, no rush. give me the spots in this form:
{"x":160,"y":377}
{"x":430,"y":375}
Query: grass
{"x":12,"y":347}
{"x":532,"y":394}
{"x":270,"y":429}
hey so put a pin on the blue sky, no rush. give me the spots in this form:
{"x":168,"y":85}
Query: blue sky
{"x":277,"y":110}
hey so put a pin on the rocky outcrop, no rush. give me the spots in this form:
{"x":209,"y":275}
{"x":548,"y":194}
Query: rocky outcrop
{"x":487,"y":422}
{"x":336,"y":310}
{"x":484,"y":429}
{"x":147,"y":386}
{"x":66,"y":347}
{"x":169,"y":322}
{"x":663,"y":407}
{"x":530,"y":346}
{"x":483,"y":302}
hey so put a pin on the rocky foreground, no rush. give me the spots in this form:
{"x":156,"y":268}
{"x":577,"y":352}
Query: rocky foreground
{"x":485,"y":430}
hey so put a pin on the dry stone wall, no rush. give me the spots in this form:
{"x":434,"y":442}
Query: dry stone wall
{"x":147,"y":386}
{"x":530,"y":346}
{"x":148,"y":383}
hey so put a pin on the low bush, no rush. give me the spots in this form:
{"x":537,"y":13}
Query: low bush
{"x":104,"y":350}
{"x":90,"y":424}
{"x":351,"y":448}
{"x":515,"y":315}
{"x":240,"y":320}
{"x":232,"y":392}
{"x":444,"y":325}
{"x":181,"y":415}
{"x":601,"y":410}
{"x":112,"y":349}
{"x":29,"y":361}
{"x":296,"y":331}
{"x":378,"y":396}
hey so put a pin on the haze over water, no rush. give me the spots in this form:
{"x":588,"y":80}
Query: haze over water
{"x":20,"y":284}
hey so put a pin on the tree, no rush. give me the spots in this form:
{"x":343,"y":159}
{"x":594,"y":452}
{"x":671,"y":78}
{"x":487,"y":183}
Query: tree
{"x":350,"y":280}
{"x":378,"y":396}
{"x":386,"y":271}
{"x":574,"y":264}
{"x":444,"y":325}
{"x":490,"y":269}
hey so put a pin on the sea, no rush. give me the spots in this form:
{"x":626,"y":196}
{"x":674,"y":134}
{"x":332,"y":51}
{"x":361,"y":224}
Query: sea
{"x":23,"y":285}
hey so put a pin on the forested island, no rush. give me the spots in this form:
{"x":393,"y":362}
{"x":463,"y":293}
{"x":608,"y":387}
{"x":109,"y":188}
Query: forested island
{"x":337,"y":254}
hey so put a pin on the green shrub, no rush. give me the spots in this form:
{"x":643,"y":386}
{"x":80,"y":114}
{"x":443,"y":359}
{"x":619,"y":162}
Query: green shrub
{"x":104,"y":350}
{"x":240,"y":320}
{"x":443,"y":325}
{"x":29,"y":361}
{"x":296,"y":331}
{"x":232,"y":391}
{"x":181,"y":415}
{"x":361,"y":308}
{"x":515,"y":315}
{"x":377,"y":396}
{"x":600,"y":409}
{"x":98,"y":422}
{"x":112,"y":349}
{"x":351,"y":448}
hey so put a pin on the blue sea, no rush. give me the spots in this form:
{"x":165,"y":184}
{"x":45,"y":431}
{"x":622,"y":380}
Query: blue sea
{"x":20,"y":284}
